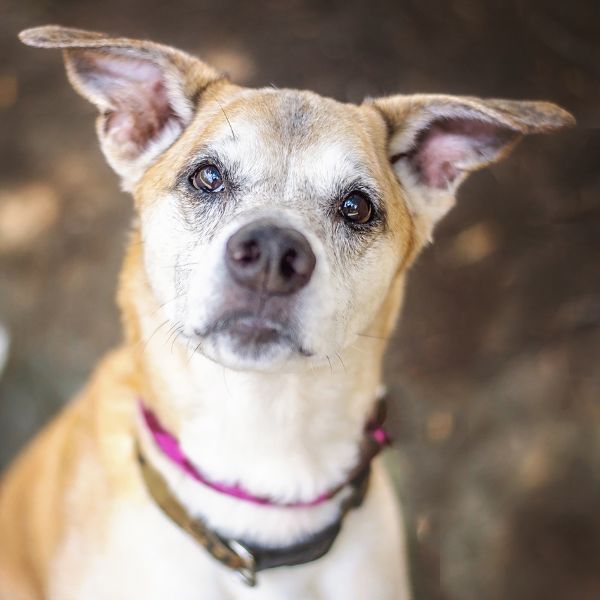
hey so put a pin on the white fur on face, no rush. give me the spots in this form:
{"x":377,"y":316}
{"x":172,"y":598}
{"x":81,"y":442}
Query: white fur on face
{"x":293,"y":176}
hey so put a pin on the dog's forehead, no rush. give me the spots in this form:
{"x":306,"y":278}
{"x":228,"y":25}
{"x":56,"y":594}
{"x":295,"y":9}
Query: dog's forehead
{"x":290,"y":116}
{"x":296,"y":131}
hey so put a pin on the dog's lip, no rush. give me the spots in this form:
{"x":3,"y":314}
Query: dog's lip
{"x":247,"y":323}
{"x":245,"y":320}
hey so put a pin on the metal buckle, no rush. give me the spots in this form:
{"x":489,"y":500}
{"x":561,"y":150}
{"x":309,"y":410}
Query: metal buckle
{"x":247,"y":573}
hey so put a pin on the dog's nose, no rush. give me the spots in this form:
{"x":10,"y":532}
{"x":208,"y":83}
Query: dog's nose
{"x":270,"y":259}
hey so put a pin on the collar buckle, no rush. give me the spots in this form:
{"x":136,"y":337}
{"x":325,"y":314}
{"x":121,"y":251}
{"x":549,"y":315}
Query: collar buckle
{"x":246,"y":573}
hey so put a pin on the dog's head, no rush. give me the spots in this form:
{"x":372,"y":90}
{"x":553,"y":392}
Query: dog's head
{"x":275,"y":222}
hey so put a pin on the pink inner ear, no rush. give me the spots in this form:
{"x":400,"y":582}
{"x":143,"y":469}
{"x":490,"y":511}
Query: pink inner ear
{"x":136,"y":90}
{"x":449,"y":146}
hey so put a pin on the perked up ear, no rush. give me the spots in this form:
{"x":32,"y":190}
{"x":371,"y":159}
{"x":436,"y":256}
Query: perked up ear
{"x":145,"y":92}
{"x":436,"y":141}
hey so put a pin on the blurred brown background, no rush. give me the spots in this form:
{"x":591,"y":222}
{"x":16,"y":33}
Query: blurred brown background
{"x":494,"y":370}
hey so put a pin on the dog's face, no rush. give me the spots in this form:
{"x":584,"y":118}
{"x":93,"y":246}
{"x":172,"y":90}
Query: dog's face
{"x":274,"y":222}
{"x":273,"y":227}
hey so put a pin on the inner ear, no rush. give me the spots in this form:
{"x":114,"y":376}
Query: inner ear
{"x":132,"y":95}
{"x":446,"y":148}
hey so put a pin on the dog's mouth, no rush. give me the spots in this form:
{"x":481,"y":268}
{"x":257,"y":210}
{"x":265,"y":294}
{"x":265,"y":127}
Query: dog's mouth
{"x":252,"y":335}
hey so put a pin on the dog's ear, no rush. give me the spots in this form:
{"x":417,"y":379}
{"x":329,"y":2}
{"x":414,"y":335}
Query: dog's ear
{"x":145,"y":92}
{"x":435,"y":141}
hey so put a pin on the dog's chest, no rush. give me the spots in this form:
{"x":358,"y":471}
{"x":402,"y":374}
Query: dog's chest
{"x":143,"y":555}
{"x":140,"y":554}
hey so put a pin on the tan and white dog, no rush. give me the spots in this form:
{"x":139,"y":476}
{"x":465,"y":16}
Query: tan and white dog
{"x":274,"y":231}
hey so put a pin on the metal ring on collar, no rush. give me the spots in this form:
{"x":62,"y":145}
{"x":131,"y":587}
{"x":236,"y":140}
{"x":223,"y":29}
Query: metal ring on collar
{"x":248,"y":572}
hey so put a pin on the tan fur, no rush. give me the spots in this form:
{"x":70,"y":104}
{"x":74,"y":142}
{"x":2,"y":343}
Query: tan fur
{"x":81,"y":468}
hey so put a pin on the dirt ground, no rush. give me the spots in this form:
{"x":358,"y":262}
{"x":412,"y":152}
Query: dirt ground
{"x":494,"y":369}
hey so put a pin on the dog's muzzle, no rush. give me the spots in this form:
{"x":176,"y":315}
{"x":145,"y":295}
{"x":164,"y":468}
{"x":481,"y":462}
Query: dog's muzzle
{"x":269,"y":259}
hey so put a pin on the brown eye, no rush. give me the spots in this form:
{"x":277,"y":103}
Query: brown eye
{"x":356,"y":208}
{"x":208,"y":179}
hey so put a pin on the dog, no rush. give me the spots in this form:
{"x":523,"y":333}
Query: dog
{"x":217,"y":453}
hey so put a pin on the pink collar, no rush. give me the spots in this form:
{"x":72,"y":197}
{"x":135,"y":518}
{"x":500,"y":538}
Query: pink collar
{"x":375,"y":439}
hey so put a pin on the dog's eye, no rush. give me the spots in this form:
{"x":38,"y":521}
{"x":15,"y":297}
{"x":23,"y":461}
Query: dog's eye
{"x":356,"y":208}
{"x":207,"y":179}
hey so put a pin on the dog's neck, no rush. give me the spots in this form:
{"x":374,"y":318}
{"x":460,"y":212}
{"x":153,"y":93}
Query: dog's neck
{"x":289,"y":436}
{"x":286,"y":435}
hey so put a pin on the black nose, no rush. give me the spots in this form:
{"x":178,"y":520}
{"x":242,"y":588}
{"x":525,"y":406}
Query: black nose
{"x":270,"y":259}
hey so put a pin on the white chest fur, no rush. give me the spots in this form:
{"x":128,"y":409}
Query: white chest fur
{"x":144,"y":556}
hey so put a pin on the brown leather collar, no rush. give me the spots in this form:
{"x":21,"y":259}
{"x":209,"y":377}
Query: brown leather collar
{"x":248,"y":559}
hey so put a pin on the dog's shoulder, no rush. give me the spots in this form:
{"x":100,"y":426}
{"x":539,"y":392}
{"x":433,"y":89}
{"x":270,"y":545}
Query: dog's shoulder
{"x":73,"y":456}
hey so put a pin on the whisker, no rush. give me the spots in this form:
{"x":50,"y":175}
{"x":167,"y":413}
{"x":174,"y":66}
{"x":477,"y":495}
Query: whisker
{"x":373,"y":337}
{"x":228,"y":122}
{"x":153,"y":334}
{"x":194,"y":352}
{"x":341,"y":361}
{"x":178,"y":332}
{"x":173,"y":330}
